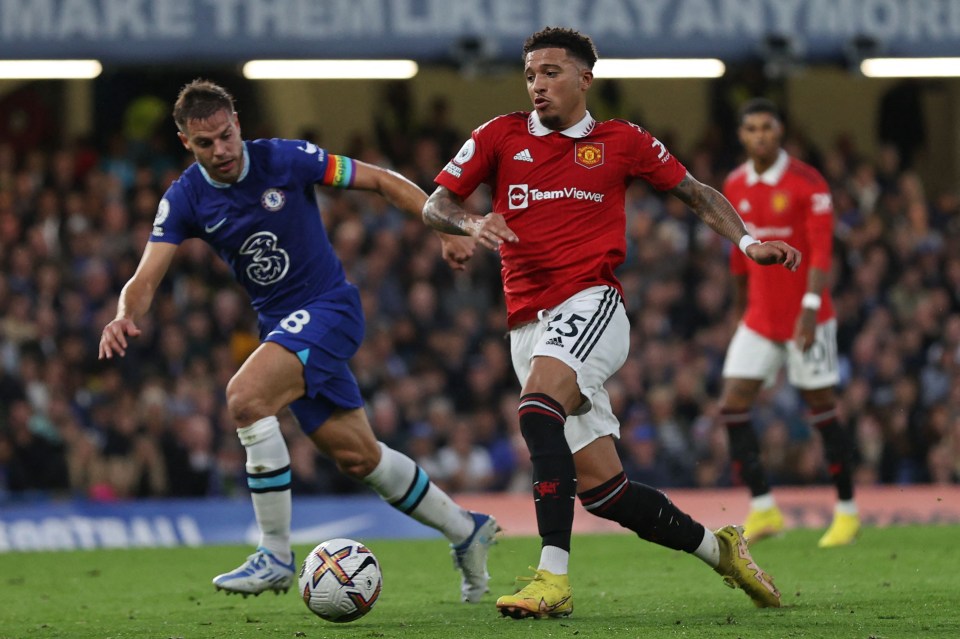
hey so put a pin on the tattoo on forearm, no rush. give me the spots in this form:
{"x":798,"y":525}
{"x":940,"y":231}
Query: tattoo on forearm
{"x":444,"y":214}
{"x":711,"y":207}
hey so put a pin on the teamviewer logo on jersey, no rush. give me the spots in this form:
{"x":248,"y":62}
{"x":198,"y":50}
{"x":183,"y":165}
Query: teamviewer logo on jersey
{"x":517,"y":194}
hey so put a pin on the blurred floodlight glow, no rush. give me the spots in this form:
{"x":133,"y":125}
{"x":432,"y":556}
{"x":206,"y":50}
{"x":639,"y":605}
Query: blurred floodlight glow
{"x":330,"y":69}
{"x":50,"y":69}
{"x":910,"y":67}
{"x":659,"y":68}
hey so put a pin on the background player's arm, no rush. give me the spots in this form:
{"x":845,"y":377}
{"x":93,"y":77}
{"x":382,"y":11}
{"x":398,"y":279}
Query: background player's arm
{"x":444,"y":211}
{"x":714,"y":209}
{"x":805,"y":330}
{"x":136,"y":297}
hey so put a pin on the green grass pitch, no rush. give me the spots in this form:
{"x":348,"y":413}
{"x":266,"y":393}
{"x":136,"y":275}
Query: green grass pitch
{"x":900,"y":582}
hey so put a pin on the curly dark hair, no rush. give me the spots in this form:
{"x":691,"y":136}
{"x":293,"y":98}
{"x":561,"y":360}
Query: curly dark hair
{"x":199,"y":100}
{"x":759,"y":105}
{"x":573,"y":42}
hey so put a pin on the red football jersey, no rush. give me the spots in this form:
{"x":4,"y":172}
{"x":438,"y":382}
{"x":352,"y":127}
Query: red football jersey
{"x":562,"y":193}
{"x":790,"y":201}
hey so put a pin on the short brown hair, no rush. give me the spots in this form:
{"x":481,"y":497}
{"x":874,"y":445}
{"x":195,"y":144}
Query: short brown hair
{"x":573,"y":42}
{"x":199,"y":100}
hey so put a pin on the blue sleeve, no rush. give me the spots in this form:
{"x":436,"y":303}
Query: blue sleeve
{"x":174,"y":221}
{"x":315,"y":165}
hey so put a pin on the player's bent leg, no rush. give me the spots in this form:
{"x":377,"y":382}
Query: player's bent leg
{"x":269,"y":379}
{"x":348,"y":439}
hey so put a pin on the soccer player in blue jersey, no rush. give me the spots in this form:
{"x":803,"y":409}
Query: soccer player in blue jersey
{"x":254,"y":203}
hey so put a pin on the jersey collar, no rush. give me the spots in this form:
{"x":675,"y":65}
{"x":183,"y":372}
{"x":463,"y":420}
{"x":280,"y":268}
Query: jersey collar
{"x":770,"y":177}
{"x":226,"y":185}
{"x":579,"y":130}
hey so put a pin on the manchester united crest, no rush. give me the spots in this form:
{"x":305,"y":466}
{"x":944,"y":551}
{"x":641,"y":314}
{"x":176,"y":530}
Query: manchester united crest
{"x":589,"y":154}
{"x":779,"y":202}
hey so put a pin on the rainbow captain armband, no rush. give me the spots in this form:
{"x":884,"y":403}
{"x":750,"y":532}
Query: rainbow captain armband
{"x":340,"y":171}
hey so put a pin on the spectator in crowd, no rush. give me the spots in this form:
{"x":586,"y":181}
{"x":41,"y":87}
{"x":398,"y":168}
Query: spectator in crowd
{"x":54,"y":205}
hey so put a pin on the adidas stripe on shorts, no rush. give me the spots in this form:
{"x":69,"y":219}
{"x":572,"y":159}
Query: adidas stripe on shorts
{"x":590,"y":333}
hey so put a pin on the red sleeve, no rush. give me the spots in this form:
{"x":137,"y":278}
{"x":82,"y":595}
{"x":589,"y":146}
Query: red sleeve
{"x":653,"y":162}
{"x":820,"y":225}
{"x":473,"y":164}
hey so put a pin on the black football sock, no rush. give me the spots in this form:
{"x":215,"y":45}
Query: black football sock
{"x":838,"y":450}
{"x":644,"y":510}
{"x":745,"y":452}
{"x":554,"y":475}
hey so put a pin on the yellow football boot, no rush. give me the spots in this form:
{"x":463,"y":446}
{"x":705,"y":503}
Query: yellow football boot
{"x":547,"y":595}
{"x":843,"y":531}
{"x":761,"y":524}
{"x":739,"y":570}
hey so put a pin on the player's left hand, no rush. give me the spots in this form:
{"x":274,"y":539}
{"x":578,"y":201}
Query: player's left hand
{"x":804,"y":332}
{"x":457,"y":250}
{"x":774,"y":252}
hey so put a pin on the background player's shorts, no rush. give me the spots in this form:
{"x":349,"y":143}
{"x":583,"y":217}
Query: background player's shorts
{"x":753,"y":356}
{"x":324,"y":334}
{"x":590,"y":333}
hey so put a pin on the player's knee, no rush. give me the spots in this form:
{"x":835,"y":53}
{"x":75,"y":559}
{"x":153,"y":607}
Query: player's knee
{"x":242,"y":403}
{"x":355,"y":463}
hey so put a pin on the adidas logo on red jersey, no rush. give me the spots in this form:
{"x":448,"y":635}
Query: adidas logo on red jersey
{"x":524,"y":156}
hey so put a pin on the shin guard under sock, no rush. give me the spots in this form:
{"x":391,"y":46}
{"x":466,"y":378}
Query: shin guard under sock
{"x":644,"y":510}
{"x":745,"y":452}
{"x":554,"y":475}
{"x":836,"y":445}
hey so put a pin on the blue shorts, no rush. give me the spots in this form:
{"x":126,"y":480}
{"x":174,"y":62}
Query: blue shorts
{"x":324,"y":335}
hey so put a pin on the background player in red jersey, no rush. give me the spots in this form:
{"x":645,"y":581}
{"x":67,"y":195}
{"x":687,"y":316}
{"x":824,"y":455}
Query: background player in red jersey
{"x":788,"y":318}
{"x":558,"y":179}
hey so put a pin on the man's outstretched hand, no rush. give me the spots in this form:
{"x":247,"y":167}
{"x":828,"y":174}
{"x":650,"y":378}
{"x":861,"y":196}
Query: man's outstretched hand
{"x":114,"y":337}
{"x":774,"y":252}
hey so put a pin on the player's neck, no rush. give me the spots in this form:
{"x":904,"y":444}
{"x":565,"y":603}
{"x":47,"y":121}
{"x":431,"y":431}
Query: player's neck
{"x":761,"y":164}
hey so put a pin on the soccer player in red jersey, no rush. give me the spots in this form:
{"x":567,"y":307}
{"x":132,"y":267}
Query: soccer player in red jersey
{"x":558,"y":179}
{"x":788,"y":318}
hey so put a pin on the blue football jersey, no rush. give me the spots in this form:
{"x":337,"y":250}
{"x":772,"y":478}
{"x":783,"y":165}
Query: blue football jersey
{"x":267,"y":225}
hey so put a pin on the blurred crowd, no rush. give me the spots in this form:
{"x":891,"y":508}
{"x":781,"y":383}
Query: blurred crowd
{"x":435,"y":365}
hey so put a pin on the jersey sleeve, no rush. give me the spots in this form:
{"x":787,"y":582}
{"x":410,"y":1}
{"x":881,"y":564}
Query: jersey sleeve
{"x":819,"y":221}
{"x":472,"y":165}
{"x":315,"y":165}
{"x":174,"y":221}
{"x":653,"y":162}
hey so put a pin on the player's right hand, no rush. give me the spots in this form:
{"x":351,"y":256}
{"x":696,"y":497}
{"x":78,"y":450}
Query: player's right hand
{"x":456,"y":250}
{"x":114,"y":337}
{"x":491,"y":230}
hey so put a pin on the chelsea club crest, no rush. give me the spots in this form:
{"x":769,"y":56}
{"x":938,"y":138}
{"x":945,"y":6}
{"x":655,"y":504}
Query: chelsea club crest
{"x":273,"y":200}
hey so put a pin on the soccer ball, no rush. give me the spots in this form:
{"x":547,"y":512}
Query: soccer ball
{"x":340,"y":580}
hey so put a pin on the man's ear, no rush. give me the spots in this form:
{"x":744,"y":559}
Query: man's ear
{"x":586,"y":79}
{"x":184,"y":141}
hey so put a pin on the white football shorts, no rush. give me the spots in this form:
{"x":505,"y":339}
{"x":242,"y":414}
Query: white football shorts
{"x":590,"y":333}
{"x":753,"y":356}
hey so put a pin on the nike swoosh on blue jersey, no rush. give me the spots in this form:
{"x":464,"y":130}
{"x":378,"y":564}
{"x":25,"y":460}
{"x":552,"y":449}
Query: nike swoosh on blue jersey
{"x":211,"y":229}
